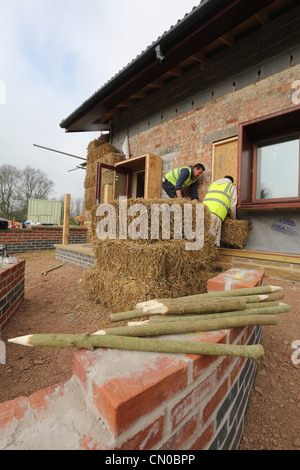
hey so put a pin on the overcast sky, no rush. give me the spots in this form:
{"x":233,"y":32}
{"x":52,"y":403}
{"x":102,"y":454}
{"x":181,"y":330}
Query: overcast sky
{"x":55,"y":54}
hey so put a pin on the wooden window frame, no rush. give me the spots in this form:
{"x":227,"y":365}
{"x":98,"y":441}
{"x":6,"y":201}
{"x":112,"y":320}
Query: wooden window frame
{"x":100,"y":166}
{"x":279,"y":125}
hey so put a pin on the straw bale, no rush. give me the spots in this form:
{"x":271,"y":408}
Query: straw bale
{"x":235,"y":233}
{"x":154,"y":205}
{"x":127,"y":272}
{"x":91,"y":169}
{"x":110,"y":158}
{"x":97,"y":142}
{"x":89,"y":199}
{"x":132,"y":271}
{"x":99,"y":152}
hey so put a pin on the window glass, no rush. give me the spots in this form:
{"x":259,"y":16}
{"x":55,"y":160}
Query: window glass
{"x":278,"y":170}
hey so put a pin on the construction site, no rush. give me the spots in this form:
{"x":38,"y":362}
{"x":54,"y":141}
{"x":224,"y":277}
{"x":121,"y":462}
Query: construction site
{"x":137,"y":330}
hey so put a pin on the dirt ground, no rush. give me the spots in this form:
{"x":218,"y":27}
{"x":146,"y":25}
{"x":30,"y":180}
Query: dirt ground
{"x":56,"y":303}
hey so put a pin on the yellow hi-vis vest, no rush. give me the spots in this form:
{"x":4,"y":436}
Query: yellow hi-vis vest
{"x":173,"y":176}
{"x":218,"y":199}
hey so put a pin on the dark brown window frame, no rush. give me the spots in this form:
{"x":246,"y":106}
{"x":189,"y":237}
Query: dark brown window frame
{"x":251,"y":133}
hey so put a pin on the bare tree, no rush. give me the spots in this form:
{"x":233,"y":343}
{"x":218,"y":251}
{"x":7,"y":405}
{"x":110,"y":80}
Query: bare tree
{"x":17,"y":186}
{"x":9,"y":177}
{"x":76,"y":205}
{"x":79,"y":205}
{"x":34,"y":183}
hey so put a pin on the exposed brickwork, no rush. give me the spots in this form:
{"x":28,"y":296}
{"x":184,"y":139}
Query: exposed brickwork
{"x":192,"y":133}
{"x":236,"y":278}
{"x":124,"y":400}
{"x":144,"y":401}
{"x":76,"y":258}
{"x":12,"y":285}
{"x":39,"y":238}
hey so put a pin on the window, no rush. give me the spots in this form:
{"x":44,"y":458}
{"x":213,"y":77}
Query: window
{"x":277,"y":169}
{"x":269,"y":162}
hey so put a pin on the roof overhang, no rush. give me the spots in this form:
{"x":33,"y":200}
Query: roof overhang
{"x":211,"y":21}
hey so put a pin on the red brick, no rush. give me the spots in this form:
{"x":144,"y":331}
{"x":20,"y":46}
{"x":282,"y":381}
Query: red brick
{"x":147,"y":438}
{"x":214,"y":401}
{"x":39,"y":401}
{"x":192,"y":400}
{"x":83,"y":360}
{"x":123,"y":400}
{"x":246,"y":332}
{"x":235,"y":278}
{"x":201,"y":363}
{"x":204,"y":439}
{"x":181,"y":436}
{"x":236,"y":369}
{"x":224,"y":366}
{"x":12,"y":409}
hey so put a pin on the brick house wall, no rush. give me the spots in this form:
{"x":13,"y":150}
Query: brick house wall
{"x":181,"y":121}
{"x":189,"y":137}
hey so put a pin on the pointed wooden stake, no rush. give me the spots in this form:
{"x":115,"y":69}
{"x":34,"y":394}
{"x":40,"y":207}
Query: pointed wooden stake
{"x":254,"y":352}
{"x":169,"y":328}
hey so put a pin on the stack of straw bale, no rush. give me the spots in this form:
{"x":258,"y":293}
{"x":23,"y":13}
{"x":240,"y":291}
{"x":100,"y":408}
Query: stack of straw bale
{"x":99,"y":150}
{"x":131,"y":271}
{"x":235,"y":233}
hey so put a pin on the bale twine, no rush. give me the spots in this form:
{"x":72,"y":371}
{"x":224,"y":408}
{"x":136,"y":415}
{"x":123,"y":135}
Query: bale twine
{"x":235,"y":233}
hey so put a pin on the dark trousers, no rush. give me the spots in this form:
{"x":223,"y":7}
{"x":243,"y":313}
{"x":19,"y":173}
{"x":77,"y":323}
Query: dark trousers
{"x":169,"y":188}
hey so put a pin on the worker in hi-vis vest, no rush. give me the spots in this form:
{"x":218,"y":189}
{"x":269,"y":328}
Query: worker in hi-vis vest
{"x":221,"y":199}
{"x":178,"y":179}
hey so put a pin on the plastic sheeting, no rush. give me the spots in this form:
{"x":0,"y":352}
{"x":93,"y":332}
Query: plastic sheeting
{"x":275,"y":231}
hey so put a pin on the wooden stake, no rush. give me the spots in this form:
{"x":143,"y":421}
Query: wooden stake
{"x":267,"y":310}
{"x":181,"y":306}
{"x":148,"y":310}
{"x":188,"y":305}
{"x":227,"y":293}
{"x":52,"y":269}
{"x":66,"y":226}
{"x":254,"y":352}
{"x":169,"y":328}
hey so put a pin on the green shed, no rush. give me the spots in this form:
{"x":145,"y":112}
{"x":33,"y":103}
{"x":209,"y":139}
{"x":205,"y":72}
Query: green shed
{"x":45,"y":212}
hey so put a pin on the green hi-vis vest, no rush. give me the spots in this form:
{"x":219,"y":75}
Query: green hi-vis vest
{"x":173,"y":176}
{"x":218,"y":199}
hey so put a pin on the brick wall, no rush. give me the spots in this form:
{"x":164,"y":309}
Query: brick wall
{"x":76,"y":258}
{"x":39,"y":238}
{"x":118,"y":400}
{"x":166,"y":402}
{"x":190,"y":135}
{"x":127,"y":400}
{"x":11,"y":290}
